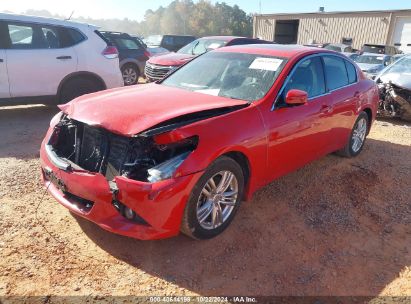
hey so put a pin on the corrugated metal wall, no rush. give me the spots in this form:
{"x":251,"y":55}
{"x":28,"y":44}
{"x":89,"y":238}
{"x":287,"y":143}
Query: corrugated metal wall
{"x":327,"y":27}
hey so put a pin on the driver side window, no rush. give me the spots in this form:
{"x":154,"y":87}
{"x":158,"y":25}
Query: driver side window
{"x":308,"y":77}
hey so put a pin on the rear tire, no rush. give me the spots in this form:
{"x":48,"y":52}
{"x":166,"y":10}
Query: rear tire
{"x":214,"y":200}
{"x":357,"y":138}
{"x":130,"y":74}
{"x":76,"y":87}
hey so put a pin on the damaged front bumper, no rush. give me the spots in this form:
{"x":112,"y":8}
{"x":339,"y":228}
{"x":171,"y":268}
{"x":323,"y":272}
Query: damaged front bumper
{"x":159,"y":206}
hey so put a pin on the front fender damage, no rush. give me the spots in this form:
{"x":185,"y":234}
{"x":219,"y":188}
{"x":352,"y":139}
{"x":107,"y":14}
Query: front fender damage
{"x":140,"y":168}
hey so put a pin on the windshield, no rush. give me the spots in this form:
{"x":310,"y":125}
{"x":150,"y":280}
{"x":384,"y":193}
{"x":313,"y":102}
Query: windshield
{"x":200,"y":46}
{"x":369,"y":59}
{"x":333,"y":48}
{"x":153,"y":40}
{"x":234,"y":75}
{"x":402,"y":66}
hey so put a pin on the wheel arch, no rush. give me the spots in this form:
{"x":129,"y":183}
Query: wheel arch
{"x":81,"y":74}
{"x":244,"y":163}
{"x":369,"y":113}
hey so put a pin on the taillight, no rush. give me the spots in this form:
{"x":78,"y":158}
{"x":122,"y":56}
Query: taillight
{"x":147,"y":54}
{"x":110,"y":52}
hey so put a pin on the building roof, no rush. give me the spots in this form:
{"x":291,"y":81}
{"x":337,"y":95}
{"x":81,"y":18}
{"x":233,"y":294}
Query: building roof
{"x":336,"y":13}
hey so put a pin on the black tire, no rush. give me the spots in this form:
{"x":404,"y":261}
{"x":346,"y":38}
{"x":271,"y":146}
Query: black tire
{"x":349,"y":150}
{"x":190,"y":224}
{"x":76,"y":87}
{"x":130,"y":80}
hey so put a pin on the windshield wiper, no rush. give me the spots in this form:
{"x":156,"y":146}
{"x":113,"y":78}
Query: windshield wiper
{"x":192,"y":50}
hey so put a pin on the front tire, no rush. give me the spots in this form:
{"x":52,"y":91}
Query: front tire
{"x":357,"y":138}
{"x":214,"y":200}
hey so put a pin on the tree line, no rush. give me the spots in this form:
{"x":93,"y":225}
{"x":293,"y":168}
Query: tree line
{"x":198,"y":18}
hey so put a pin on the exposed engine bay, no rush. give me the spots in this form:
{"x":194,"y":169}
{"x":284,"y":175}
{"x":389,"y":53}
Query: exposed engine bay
{"x":97,"y":150}
{"x":395,"y":101}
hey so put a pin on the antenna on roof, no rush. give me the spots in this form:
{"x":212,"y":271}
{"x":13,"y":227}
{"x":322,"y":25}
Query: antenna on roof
{"x":71,"y":15}
{"x":260,"y":7}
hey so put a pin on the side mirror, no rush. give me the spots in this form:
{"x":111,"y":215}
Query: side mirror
{"x":296,"y":97}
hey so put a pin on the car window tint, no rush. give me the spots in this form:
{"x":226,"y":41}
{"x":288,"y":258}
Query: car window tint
{"x":351,"y":71}
{"x":308,"y":76}
{"x":168,"y":40}
{"x":51,"y":36}
{"x":75,"y":37}
{"x":336,"y":72}
{"x":21,"y":36}
{"x":126,"y":44}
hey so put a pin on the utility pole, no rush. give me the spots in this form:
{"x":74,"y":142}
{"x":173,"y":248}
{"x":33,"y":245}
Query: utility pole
{"x":260,"y":7}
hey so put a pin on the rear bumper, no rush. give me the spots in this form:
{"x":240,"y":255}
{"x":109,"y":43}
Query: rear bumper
{"x":160,"y":205}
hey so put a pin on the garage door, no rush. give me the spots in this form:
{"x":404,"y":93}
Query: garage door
{"x":402,"y":34}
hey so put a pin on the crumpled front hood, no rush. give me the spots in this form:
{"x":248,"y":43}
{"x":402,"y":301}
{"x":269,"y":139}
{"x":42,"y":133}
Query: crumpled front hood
{"x":131,"y":110}
{"x":172,"y":59}
{"x":402,"y":80}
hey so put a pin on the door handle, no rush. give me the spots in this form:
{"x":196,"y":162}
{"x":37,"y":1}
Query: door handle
{"x":63,"y":57}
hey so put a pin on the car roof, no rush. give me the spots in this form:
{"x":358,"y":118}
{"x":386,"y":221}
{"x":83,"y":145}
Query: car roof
{"x":224,"y":38}
{"x":339,"y":44}
{"x":45,"y":20}
{"x":375,"y":55}
{"x":279,"y":50}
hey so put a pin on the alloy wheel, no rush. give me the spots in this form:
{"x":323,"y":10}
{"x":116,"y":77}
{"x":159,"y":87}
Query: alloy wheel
{"x":129,"y":76}
{"x":217,"y":200}
{"x":358,"y":136}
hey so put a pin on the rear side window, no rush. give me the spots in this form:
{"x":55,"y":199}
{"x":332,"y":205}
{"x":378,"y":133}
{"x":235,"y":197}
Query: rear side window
{"x":73,"y":37}
{"x":351,"y":72}
{"x":52,"y":37}
{"x":335,"y":72}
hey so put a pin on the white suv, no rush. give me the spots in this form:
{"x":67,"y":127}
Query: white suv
{"x":47,"y":60}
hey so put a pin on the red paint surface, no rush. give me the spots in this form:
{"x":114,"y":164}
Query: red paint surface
{"x":274,"y":142}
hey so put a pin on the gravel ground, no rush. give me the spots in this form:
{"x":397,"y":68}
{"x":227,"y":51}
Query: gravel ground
{"x":335,"y":227}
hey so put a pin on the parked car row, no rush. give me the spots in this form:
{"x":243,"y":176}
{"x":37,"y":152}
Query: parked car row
{"x":74,"y":58}
{"x":160,"y":66}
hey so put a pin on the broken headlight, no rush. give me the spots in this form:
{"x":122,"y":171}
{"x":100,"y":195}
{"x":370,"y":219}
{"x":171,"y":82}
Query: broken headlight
{"x":56,"y":119}
{"x":166,"y":169}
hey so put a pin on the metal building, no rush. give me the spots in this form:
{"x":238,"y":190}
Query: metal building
{"x":358,"y":28}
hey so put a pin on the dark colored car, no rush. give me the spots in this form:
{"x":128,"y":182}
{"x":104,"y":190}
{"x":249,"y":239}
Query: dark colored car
{"x":183,"y":153}
{"x":380,"y":49}
{"x":158,"y":67}
{"x":133,"y":55}
{"x":170,"y":42}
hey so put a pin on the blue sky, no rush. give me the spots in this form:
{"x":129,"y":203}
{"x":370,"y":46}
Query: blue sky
{"x":135,"y":9}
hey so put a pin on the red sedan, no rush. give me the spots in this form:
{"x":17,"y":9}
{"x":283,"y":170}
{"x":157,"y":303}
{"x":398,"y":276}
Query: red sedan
{"x":181,"y":155}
